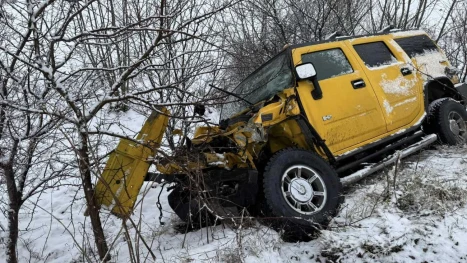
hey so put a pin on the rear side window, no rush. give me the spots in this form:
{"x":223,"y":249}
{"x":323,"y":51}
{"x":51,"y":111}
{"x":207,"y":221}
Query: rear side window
{"x":328,"y":63}
{"x":417,"y":45}
{"x":375,"y":54}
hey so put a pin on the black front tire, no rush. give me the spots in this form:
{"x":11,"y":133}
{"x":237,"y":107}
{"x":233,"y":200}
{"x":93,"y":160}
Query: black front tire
{"x":188,"y":208}
{"x":300,"y":223}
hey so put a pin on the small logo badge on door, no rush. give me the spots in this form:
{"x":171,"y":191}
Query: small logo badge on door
{"x":327,"y":117}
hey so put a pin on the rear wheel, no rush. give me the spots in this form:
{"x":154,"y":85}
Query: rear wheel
{"x":448,"y":119}
{"x":302,"y":191}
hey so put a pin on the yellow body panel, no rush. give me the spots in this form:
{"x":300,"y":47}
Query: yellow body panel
{"x":401,"y":96}
{"x":118,"y":187}
{"x":348,"y":118}
{"x":355,"y":114}
{"x":286,"y":134}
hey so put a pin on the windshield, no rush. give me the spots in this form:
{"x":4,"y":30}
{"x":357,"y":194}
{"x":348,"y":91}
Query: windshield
{"x":264,"y":83}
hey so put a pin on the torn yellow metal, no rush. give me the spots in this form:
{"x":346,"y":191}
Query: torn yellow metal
{"x":118,"y":187}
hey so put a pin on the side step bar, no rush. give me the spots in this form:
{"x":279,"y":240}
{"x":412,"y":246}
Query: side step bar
{"x":357,"y":176}
{"x":417,"y":136}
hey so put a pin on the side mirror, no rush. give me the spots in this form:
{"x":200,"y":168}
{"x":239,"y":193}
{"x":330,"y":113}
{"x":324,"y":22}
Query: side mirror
{"x":308,"y":71}
{"x":305,"y":71}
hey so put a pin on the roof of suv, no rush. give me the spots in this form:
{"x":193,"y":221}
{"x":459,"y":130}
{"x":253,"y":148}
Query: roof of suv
{"x":394,"y":33}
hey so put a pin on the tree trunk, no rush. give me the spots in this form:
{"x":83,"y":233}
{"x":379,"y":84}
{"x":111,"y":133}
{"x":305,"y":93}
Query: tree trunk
{"x":12,"y":233}
{"x":13,"y":209}
{"x":93,"y":210}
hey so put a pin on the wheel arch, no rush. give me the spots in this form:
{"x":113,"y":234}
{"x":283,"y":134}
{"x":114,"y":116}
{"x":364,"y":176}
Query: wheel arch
{"x":305,"y":137}
{"x":441,"y":87}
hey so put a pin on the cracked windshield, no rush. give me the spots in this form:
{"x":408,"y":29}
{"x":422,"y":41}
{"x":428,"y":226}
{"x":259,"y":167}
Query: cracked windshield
{"x":262,"y":84}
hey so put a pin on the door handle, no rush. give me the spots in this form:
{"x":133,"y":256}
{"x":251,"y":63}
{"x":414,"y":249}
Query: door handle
{"x":358,"y":83}
{"x":406,"y":71}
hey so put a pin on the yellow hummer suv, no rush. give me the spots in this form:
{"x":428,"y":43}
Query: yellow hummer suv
{"x":304,"y":123}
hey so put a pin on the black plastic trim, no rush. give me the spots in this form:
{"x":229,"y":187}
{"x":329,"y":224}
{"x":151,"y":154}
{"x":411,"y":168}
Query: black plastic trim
{"x":390,"y":147}
{"x":381,"y":142}
{"x":448,"y":86}
{"x":315,"y":136}
{"x":358,"y":83}
{"x":462,"y":89}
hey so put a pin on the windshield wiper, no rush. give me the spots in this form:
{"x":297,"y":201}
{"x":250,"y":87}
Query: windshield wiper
{"x":232,"y":94}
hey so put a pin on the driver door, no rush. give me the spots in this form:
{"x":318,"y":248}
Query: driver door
{"x":349,"y":112}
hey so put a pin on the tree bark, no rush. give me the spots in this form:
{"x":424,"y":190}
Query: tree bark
{"x":93,"y":209}
{"x":13,"y":209}
{"x":13,"y":205}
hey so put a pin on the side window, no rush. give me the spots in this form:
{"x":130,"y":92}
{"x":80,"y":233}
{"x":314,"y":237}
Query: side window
{"x":417,"y":45}
{"x":375,"y":54}
{"x":328,"y":63}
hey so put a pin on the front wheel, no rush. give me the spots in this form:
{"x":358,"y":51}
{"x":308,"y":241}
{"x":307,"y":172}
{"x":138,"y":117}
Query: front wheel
{"x":302,"y":189}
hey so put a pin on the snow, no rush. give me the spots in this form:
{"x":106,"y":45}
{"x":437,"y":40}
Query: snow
{"x":399,"y":132}
{"x":429,"y":63}
{"x":117,"y":194}
{"x":212,"y":115}
{"x":408,"y":33}
{"x":3,"y":159}
{"x":369,"y":227}
{"x":387,"y":107}
{"x":376,"y":223}
{"x":384,"y":29}
{"x":399,"y":86}
{"x":390,"y":63}
{"x":399,"y":228}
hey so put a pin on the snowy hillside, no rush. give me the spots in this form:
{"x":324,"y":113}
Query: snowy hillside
{"x":76,"y":77}
{"x":420,"y":218}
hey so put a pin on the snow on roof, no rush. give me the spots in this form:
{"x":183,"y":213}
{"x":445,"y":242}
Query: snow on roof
{"x":408,"y":33}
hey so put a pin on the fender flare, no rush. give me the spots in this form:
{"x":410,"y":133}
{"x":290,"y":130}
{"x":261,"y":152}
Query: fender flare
{"x":441,"y":87}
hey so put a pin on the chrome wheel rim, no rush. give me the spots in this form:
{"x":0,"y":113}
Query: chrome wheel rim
{"x":303,"y":189}
{"x":458,"y":126}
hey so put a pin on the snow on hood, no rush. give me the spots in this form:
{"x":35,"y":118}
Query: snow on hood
{"x":429,"y":63}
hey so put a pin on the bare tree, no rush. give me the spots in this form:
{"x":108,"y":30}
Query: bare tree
{"x":25,"y":138}
{"x":446,"y":19}
{"x":87,"y":55}
{"x":454,"y":39}
{"x":257,"y":30}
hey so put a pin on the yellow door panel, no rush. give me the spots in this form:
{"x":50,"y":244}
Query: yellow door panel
{"x":118,"y":187}
{"x":349,"y":112}
{"x":395,"y":82}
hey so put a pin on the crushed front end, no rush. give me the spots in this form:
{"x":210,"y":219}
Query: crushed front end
{"x":216,"y":170}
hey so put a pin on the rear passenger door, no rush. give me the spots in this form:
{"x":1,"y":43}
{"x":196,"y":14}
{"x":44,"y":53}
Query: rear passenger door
{"x":348,"y":113}
{"x":393,"y":79}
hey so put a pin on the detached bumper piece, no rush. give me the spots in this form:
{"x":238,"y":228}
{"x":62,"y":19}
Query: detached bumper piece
{"x":118,"y":187}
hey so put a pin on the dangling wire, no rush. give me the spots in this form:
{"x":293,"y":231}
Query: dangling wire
{"x":159,"y":206}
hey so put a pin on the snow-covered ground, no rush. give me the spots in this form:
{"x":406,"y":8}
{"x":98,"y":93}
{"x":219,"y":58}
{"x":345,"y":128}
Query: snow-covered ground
{"x":422,"y":217}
